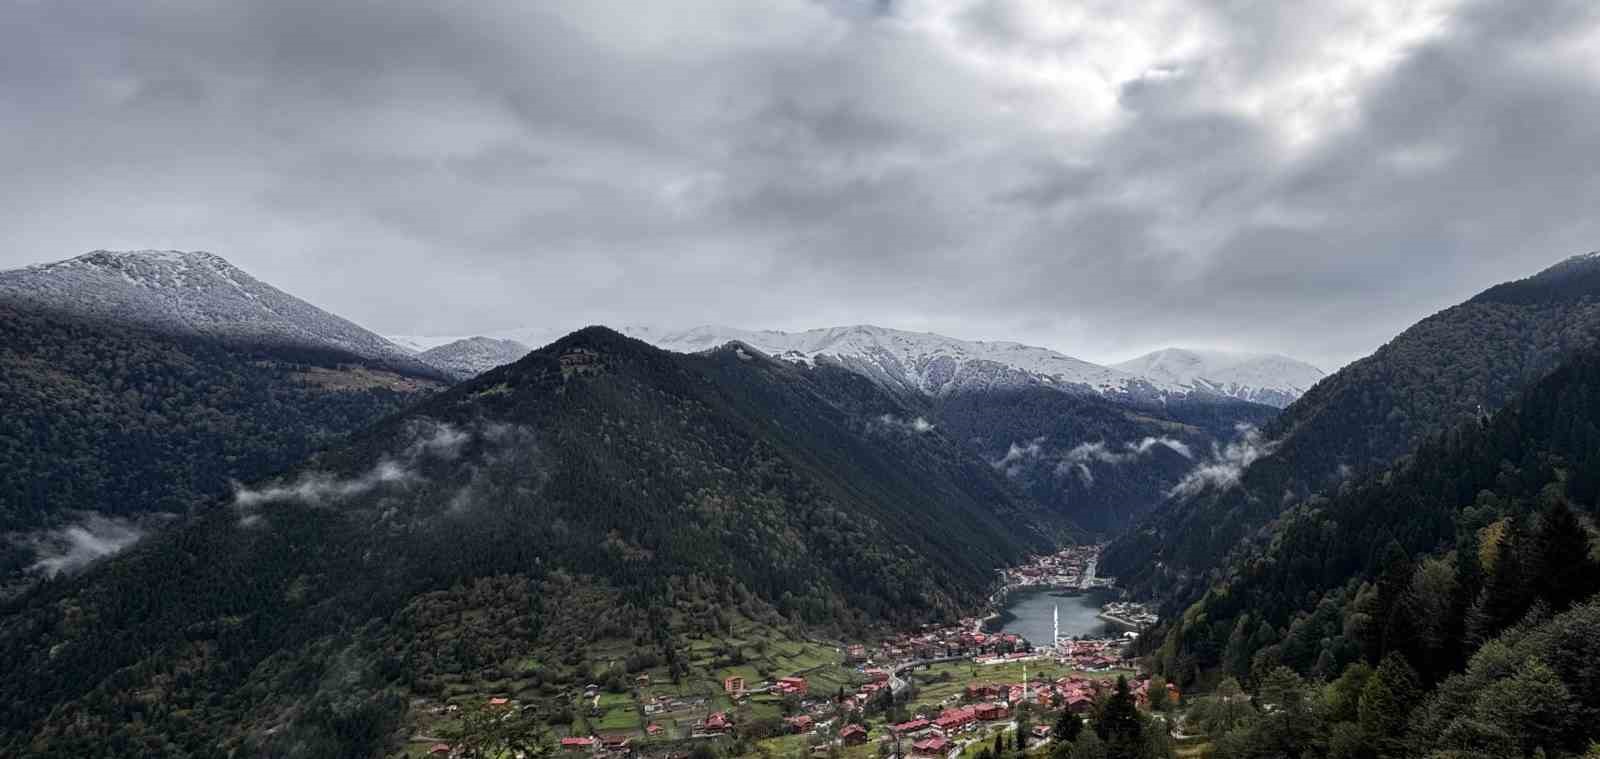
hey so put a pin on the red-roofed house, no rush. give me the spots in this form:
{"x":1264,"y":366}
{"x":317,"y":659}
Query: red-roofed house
{"x":800,"y":724}
{"x":910,"y":728}
{"x":716,"y":722}
{"x":952,"y":720}
{"x":853,"y":735}
{"x":577,"y":743}
{"x":499,"y":701}
{"x":440,"y":749}
{"x":794,"y":685}
{"x":992,"y":711}
{"x":938,"y":745}
{"x":733,"y":685}
{"x":652,"y":729}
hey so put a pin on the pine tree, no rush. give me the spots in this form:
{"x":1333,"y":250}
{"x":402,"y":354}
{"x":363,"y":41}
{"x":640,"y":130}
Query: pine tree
{"x":1068,"y":727}
{"x":1563,"y":571}
{"x":1386,"y":703}
{"x":1504,"y":598}
{"x":1120,"y":724}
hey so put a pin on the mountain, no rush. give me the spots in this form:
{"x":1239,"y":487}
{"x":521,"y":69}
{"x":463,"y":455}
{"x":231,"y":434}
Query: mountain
{"x":193,"y":293}
{"x":1098,"y":445}
{"x":1462,"y":580}
{"x":472,"y":356}
{"x":1258,"y":377}
{"x":135,"y":385}
{"x":1453,"y":366}
{"x":598,"y":495}
{"x":919,"y":362}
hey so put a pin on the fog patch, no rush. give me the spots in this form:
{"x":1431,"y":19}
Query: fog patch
{"x":1226,"y":465}
{"x":1019,"y":454}
{"x":67,"y":550}
{"x":915,"y":425}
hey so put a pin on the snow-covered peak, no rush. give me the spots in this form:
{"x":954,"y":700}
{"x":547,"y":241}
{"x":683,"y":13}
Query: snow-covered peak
{"x":471,"y":356}
{"x":918,"y":361}
{"x":1260,"y":377}
{"x":191,"y":292}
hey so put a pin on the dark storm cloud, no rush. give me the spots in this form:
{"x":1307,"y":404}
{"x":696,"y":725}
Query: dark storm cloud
{"x":1100,"y":177}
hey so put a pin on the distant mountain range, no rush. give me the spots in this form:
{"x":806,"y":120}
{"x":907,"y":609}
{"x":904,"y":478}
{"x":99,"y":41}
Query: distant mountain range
{"x":924,"y":363}
{"x":1257,"y":377}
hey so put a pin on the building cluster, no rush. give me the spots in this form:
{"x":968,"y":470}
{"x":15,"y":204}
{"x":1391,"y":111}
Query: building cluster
{"x":1069,"y":568}
{"x":1130,"y":613}
{"x":1092,"y":655}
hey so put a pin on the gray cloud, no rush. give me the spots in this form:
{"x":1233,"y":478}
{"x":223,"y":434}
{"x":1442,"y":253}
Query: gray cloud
{"x":1225,"y":465}
{"x":1101,"y":178}
{"x":66,"y":550}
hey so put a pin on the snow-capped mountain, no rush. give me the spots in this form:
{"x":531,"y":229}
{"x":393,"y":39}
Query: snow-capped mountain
{"x":922,"y":362}
{"x":192,"y":293}
{"x":1259,"y":377}
{"x":471,"y":356}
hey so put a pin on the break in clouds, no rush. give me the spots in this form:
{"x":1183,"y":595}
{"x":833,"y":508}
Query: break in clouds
{"x":1099,"y":177}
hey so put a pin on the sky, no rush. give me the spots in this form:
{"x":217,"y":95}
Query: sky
{"x":1100,"y":177}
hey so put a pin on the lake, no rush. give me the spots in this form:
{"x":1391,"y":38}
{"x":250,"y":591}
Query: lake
{"x":1028,"y":613}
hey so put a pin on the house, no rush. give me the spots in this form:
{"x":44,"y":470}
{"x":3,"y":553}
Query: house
{"x":953,"y":720}
{"x":642,"y":680}
{"x":877,"y":675}
{"x":792,"y":686}
{"x":716,"y":722}
{"x":911,"y":728}
{"x":938,"y":745}
{"x":800,"y":724}
{"x":439,"y":749}
{"x":733,"y":685}
{"x":1080,"y":703}
{"x":653,"y":729}
{"x":853,"y":735}
{"x":992,"y":711}
{"x":1041,"y":731}
{"x":500,"y":702}
{"x":577,"y":743}
{"x":856,"y":653}
{"x":615,"y":742}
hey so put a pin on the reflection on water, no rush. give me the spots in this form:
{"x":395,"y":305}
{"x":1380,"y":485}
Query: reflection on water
{"x":1029,"y":614}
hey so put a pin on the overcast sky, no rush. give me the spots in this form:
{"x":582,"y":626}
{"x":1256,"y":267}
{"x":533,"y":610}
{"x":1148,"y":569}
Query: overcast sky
{"x":1102,"y":178}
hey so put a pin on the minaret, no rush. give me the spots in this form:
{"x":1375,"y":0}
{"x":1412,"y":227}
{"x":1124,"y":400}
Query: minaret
{"x":1055,"y":635}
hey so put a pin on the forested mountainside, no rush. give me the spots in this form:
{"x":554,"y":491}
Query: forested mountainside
{"x":121,"y":421}
{"x":1099,"y":463}
{"x":1462,"y":362}
{"x":597,"y":489}
{"x":1426,"y":596}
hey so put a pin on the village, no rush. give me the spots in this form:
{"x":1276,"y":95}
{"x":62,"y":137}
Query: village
{"x":928,"y":693}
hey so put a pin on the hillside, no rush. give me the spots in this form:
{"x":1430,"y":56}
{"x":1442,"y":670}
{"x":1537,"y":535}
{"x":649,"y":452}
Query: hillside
{"x":194,"y":293}
{"x":1418,"y":582}
{"x":1453,"y":366}
{"x":106,"y":425}
{"x":598,"y":489}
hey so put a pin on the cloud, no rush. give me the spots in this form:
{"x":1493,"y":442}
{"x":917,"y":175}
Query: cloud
{"x":917,"y":425}
{"x":66,"y":550}
{"x":1223,"y":469}
{"x":1101,"y":452}
{"x":1098,"y":177}
{"x":1018,"y":454}
{"x":427,"y":439}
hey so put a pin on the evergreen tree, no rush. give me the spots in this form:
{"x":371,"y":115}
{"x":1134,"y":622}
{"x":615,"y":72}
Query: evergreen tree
{"x":1504,"y":598}
{"x":1068,"y":727}
{"x":1563,"y":572}
{"x":1386,"y":703}
{"x":1120,"y":725}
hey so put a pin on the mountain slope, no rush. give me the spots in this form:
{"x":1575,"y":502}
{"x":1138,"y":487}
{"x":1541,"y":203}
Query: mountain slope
{"x":1261,"y":378}
{"x":1447,"y":568}
{"x":1453,"y":366}
{"x":918,"y":362}
{"x":472,"y":356}
{"x":121,"y":422}
{"x":680,"y":488}
{"x":194,"y":293}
